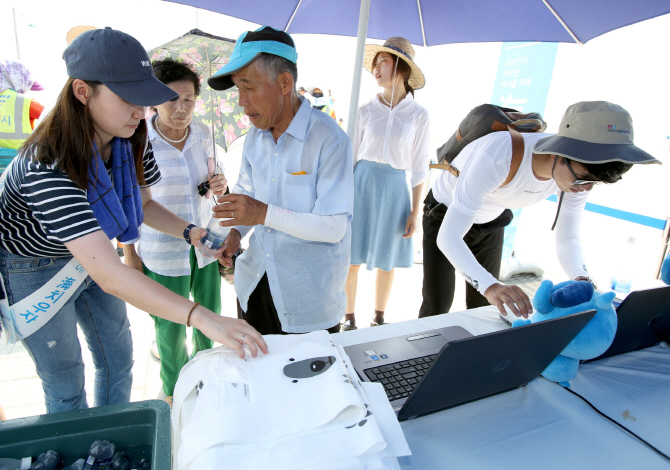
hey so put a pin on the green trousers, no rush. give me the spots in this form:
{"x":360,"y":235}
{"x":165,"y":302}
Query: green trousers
{"x":205,"y":286}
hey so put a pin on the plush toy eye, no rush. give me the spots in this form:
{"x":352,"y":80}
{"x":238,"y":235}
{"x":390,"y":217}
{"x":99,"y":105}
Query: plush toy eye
{"x":308,"y":367}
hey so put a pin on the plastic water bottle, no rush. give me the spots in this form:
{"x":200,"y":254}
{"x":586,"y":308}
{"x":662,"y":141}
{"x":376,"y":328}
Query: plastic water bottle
{"x":121,"y":461}
{"x":78,"y":465}
{"x":99,"y":455}
{"x":142,"y":464}
{"x":46,"y":461}
{"x":622,"y":279}
{"x":215,"y":238}
{"x":15,"y":464}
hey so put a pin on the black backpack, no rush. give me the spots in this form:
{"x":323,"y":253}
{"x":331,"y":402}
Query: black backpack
{"x":483,"y":120}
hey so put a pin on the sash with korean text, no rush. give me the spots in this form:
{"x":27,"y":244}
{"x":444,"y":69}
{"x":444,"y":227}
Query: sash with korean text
{"x":25,"y":317}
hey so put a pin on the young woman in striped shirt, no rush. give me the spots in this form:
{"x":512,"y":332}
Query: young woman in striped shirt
{"x":58,"y":201}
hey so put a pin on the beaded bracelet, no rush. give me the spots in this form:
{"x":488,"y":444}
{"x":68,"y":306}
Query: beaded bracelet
{"x":188,"y":319}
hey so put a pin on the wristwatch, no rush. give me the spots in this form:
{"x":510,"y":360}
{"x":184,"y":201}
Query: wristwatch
{"x":187,"y":233}
{"x":587,"y":279}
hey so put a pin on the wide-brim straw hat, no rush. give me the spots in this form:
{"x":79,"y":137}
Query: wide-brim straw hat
{"x":76,"y":31}
{"x":402,"y":48}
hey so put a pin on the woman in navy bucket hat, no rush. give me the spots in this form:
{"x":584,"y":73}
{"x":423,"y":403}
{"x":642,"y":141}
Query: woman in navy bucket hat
{"x":82,"y":179}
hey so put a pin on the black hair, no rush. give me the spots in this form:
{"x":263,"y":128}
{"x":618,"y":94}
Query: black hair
{"x":406,"y":71}
{"x":169,"y":70}
{"x":66,"y":136}
{"x":609,"y":172}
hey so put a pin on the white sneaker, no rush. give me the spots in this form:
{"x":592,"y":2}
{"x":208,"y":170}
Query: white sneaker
{"x":154,"y":351}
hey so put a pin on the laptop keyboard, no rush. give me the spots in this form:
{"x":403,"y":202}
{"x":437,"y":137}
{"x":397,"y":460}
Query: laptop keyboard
{"x":529,"y":283}
{"x":401,"y":378}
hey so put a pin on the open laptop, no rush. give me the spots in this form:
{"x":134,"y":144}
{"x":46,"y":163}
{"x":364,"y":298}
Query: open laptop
{"x":644,"y":320}
{"x":433,"y":370}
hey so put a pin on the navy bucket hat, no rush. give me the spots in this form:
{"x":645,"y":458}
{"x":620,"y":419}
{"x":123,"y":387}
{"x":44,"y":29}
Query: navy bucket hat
{"x":595,"y":132}
{"x":249,"y":46}
{"x":119,"y":62}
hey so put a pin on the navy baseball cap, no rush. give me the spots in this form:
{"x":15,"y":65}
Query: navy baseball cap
{"x":249,"y":46}
{"x":119,"y":62}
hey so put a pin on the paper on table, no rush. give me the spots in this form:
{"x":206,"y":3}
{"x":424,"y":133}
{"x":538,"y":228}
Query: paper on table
{"x":396,"y":444}
{"x":267,"y":418}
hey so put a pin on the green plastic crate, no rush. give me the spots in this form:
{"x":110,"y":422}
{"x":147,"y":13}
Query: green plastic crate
{"x":141,"y":429}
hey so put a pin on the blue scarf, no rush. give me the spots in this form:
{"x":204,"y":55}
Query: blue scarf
{"x":117,"y":207}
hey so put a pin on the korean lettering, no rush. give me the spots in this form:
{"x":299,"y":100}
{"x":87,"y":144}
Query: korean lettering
{"x":29,"y":314}
{"x":53,"y":295}
{"x":66,"y":283}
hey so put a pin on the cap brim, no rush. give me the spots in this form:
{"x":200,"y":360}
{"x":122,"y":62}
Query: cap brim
{"x":149,"y":92}
{"x":36,"y":87}
{"x":221,"y":80}
{"x":588,"y":152}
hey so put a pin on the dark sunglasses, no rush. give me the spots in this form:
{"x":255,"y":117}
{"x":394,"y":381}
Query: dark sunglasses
{"x":579,"y":182}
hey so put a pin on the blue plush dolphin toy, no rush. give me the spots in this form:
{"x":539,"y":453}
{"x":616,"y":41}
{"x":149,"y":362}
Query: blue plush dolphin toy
{"x":566,"y":298}
{"x":665,"y":270}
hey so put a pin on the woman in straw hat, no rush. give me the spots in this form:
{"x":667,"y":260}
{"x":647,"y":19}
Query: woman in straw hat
{"x":81,"y":179}
{"x":392,"y":135}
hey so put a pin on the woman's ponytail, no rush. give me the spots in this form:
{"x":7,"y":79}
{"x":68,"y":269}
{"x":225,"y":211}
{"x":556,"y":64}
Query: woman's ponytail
{"x":404,"y":69}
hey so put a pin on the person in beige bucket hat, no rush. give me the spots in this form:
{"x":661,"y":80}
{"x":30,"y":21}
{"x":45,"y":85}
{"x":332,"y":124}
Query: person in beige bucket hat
{"x":595,"y":132}
{"x":465,"y":216}
{"x":391,"y":140}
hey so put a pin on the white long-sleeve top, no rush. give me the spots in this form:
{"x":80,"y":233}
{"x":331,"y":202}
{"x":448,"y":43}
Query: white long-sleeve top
{"x":398,"y":137}
{"x":475,"y":197}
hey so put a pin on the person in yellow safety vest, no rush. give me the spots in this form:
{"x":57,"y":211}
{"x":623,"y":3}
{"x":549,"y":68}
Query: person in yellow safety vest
{"x":17,"y":112}
{"x":322,"y":103}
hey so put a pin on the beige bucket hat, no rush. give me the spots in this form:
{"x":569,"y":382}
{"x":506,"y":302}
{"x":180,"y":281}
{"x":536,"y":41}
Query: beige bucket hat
{"x":402,"y":48}
{"x":595,"y":132}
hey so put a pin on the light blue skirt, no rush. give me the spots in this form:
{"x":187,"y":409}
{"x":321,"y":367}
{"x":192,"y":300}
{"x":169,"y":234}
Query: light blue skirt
{"x":381,"y":208}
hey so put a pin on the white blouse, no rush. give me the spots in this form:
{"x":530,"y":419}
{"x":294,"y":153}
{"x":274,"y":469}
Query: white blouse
{"x":398,"y":137}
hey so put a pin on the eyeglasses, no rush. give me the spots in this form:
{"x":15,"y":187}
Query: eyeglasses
{"x":579,"y":182}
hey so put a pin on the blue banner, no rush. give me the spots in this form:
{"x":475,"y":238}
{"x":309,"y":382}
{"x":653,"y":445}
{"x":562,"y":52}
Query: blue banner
{"x":522,"y":82}
{"x":524,"y":75}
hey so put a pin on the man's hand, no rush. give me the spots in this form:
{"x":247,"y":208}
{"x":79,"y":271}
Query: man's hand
{"x":130,"y":258}
{"x":218,"y":184}
{"x":231,"y":246}
{"x":512,"y":296}
{"x":241,"y":210}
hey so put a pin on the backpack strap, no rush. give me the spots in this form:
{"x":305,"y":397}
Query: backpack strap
{"x":517,"y":157}
{"x":447,"y":167}
{"x":517,"y":154}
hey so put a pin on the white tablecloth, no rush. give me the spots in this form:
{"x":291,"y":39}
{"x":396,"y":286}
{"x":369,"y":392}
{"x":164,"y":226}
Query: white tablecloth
{"x":542,"y":425}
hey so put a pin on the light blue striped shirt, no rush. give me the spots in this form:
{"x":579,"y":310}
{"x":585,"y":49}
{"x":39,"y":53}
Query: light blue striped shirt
{"x":306,"y":278}
{"x":177,"y":191}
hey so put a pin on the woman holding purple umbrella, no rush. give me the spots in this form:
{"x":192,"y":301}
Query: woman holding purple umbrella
{"x":184,"y":152}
